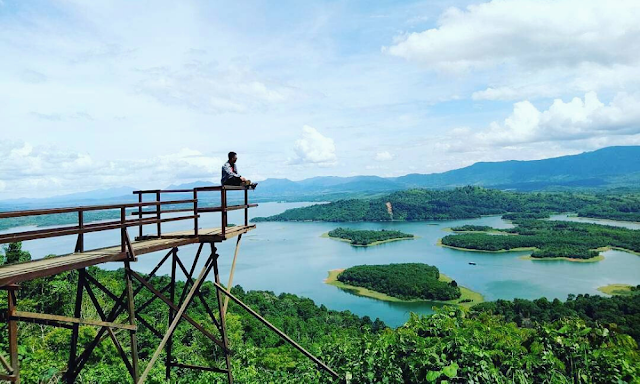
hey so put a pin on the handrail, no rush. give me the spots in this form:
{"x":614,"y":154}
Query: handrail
{"x":100,"y":225}
{"x":85,"y":208}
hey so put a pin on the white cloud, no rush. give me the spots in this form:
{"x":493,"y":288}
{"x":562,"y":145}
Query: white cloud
{"x":211,"y":88}
{"x":314,"y":148}
{"x":384,"y":156}
{"x":45,"y":171}
{"x":578,"y":119}
{"x":533,"y":48}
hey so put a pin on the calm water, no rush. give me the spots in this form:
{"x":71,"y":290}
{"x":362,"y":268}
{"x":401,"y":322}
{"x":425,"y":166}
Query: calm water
{"x":292,"y":257}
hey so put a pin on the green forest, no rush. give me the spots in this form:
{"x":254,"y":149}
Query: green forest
{"x":466,"y":203}
{"x":367,"y":237}
{"x":405,"y":281}
{"x":585,"y":340}
{"x":550,"y":238}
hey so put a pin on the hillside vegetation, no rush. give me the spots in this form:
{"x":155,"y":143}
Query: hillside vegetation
{"x":406,"y":281}
{"x":549,"y":238}
{"x":464,"y":203}
{"x":585,"y":340}
{"x":367,"y":237}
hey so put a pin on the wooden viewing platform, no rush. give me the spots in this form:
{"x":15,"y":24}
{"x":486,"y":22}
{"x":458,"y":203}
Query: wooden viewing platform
{"x":18,"y":273}
{"x":147,"y":214}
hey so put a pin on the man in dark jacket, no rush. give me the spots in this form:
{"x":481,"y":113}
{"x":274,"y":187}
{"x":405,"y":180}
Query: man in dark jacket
{"x":230,"y":174}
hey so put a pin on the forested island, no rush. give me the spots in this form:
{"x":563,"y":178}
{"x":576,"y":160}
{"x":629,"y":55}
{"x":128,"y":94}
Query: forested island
{"x":520,"y":341}
{"x":466,"y":203}
{"x":620,"y":289}
{"x":359,"y":237}
{"x":407,"y":281}
{"x":548,"y":239}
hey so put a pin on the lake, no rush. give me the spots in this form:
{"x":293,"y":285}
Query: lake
{"x":292,"y":257}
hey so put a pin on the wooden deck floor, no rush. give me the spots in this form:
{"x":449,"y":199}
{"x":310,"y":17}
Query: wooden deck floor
{"x":16,"y":273}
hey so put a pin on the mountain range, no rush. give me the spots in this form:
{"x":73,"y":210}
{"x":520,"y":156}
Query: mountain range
{"x":607,"y":168}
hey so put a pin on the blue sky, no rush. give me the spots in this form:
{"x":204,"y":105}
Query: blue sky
{"x":99,"y":94}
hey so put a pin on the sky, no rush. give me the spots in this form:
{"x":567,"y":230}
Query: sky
{"x":99,"y":94}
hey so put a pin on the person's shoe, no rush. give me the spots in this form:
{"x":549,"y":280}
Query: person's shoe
{"x":253,"y":185}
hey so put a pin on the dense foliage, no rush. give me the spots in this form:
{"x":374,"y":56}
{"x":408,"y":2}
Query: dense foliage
{"x":623,"y":311}
{"x":464,"y":203}
{"x":366,"y":237}
{"x":482,"y":346}
{"x":471,"y":228}
{"x":405,"y":281}
{"x":551,"y":239}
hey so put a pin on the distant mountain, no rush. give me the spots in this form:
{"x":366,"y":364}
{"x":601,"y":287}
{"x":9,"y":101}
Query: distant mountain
{"x":97,"y":196}
{"x":611,"y":167}
{"x":606,"y":168}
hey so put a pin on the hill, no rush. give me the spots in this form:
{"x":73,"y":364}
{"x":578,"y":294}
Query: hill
{"x":603,"y":169}
{"x":465,"y":203}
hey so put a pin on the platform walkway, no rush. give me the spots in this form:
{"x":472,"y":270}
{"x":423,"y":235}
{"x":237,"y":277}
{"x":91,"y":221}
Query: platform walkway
{"x":18,"y":273}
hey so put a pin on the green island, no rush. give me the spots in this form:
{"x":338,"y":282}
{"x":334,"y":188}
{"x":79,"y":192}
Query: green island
{"x":620,"y":289}
{"x":405,"y":282}
{"x":549,"y":239}
{"x":364,"y":238}
{"x":467,"y":203}
{"x":500,"y":341}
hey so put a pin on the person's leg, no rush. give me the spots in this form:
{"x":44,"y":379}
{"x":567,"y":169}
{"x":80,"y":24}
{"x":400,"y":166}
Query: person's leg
{"x":235,"y":181}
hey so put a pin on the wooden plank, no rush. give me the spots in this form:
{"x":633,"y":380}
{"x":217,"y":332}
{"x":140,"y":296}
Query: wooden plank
{"x":17,"y":273}
{"x":21,"y":315}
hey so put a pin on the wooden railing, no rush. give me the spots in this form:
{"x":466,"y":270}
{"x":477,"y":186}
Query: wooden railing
{"x":152,"y":215}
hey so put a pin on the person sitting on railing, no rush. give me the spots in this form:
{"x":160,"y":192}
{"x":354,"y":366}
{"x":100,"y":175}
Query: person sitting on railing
{"x":230,"y":174}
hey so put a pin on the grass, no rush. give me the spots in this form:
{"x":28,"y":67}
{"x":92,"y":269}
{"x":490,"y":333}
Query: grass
{"x":618,"y":289}
{"x":575,"y":260}
{"x":326,"y":236}
{"x":465,"y":293}
{"x":482,"y":250}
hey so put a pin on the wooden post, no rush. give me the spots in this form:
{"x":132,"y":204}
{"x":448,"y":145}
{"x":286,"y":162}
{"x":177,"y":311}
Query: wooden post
{"x":80,"y":242}
{"x":132,"y":320}
{"x":140,"y":213}
{"x":246,"y":206}
{"x":123,"y":230}
{"x":223,"y":202}
{"x":172,"y":293}
{"x":13,"y":332}
{"x":221,"y":315}
{"x":158,"y":214}
{"x":71,"y":366}
{"x":233,"y":268}
{"x":195,"y":212}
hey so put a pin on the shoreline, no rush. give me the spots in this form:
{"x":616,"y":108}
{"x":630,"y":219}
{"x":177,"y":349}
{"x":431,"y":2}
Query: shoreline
{"x":465,"y":293}
{"x":600,"y":257}
{"x":616,"y":289}
{"x":439,"y":242}
{"x":326,"y":236}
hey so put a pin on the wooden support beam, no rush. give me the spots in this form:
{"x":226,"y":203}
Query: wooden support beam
{"x":223,"y":327}
{"x":284,"y":336}
{"x":202,"y":300}
{"x":112,"y":335}
{"x":76,"y":325}
{"x":5,"y":364}
{"x":233,"y":269}
{"x":116,"y":310}
{"x":27,"y":316}
{"x":174,"y":323}
{"x":176,"y":308}
{"x":13,"y":335}
{"x":172,"y":294}
{"x":132,"y":319}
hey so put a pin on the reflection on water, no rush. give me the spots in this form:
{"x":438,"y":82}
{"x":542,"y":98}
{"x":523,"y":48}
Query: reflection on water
{"x":292,"y":257}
